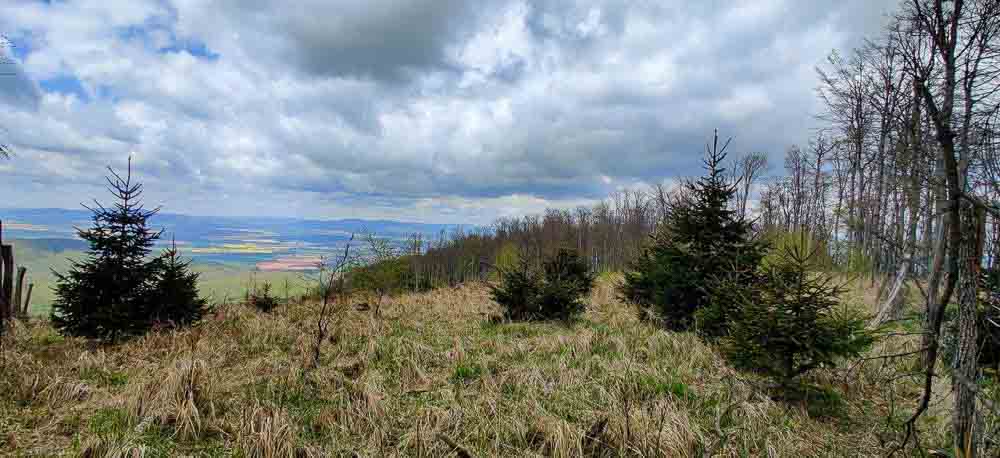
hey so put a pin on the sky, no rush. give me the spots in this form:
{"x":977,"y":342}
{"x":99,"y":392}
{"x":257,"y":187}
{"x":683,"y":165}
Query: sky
{"x":418,"y":110}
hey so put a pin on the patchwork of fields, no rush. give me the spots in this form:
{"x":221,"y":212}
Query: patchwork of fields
{"x":230,"y":253}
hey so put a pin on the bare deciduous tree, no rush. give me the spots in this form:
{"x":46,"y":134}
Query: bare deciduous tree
{"x":333,"y":301}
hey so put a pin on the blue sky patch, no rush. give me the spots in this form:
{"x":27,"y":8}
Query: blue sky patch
{"x":195,"y":48}
{"x":199,"y":49}
{"x":65,"y":84}
{"x":146,"y":35}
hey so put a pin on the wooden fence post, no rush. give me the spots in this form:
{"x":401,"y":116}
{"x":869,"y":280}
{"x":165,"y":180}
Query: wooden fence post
{"x":27,"y":300}
{"x":7,"y":253}
{"x":4,"y":278}
{"x":15,"y":308}
{"x":11,"y":287}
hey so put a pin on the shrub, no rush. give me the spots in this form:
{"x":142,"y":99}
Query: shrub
{"x":789,"y":322}
{"x":554,"y":293}
{"x":381,"y":279}
{"x":261,"y":298}
{"x":567,"y":268}
{"x":175,"y":300}
{"x":702,"y":240}
{"x":384,"y":272}
{"x":517,"y":291}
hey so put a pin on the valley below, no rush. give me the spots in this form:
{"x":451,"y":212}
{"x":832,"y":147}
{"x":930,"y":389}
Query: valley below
{"x":230,"y":254}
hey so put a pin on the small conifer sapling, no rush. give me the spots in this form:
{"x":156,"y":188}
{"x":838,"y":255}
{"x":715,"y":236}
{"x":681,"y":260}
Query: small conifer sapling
{"x":107,"y":294}
{"x":791,"y":322}
{"x":176,"y":301}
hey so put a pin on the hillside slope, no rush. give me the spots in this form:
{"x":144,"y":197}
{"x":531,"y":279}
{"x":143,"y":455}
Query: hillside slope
{"x":431,"y":377}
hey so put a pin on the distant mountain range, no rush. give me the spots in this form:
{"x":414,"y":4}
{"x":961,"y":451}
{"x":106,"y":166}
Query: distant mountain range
{"x":261,"y":241}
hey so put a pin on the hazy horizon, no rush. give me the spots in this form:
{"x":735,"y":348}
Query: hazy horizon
{"x":320,"y":218}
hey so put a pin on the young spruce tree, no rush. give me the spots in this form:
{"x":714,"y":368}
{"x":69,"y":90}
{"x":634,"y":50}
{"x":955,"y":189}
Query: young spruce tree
{"x":107,"y":295}
{"x":702,"y":241}
{"x":176,"y":301}
{"x":789,"y":322}
{"x":556,"y":292}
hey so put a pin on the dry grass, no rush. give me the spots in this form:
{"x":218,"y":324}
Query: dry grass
{"x":433,"y":377}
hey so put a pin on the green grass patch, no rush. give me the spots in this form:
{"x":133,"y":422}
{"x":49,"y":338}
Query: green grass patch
{"x":51,"y":338}
{"x":651,"y":387}
{"x":102,"y":377}
{"x":109,"y":421}
{"x":466,"y":372}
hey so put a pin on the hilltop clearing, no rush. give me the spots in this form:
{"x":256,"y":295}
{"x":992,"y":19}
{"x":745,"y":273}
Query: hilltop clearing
{"x":435,"y":376}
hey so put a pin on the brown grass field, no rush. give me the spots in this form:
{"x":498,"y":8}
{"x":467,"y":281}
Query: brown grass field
{"x":434,"y":376}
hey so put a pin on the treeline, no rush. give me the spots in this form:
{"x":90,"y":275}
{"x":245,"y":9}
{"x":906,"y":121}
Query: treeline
{"x":905,"y":176}
{"x":910,"y":135}
{"x":607,"y":236}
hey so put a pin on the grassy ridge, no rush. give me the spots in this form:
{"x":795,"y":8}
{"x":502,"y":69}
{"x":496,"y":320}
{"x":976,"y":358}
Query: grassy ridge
{"x":433,"y":376}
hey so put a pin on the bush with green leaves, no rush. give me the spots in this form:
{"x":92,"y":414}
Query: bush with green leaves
{"x":556,"y":292}
{"x":722,"y":306}
{"x":791,"y":321}
{"x":702,"y":241}
{"x":567,"y":281}
{"x":385,"y":278}
{"x":382,"y":273}
{"x":723,"y":302}
{"x":517,"y":290}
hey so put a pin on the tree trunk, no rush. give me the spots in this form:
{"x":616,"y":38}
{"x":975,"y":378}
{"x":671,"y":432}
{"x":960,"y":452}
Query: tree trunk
{"x":966,"y":364}
{"x":892,"y":307}
{"x":934,"y":308}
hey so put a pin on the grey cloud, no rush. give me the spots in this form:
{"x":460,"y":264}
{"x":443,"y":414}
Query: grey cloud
{"x":372,"y":105}
{"x":380,"y":39}
{"x":17,"y":90}
{"x":386,"y":40}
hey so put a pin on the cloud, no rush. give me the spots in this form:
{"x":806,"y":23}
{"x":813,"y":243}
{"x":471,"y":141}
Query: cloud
{"x":420,"y":109}
{"x":387,"y":40}
{"x":16,"y":88}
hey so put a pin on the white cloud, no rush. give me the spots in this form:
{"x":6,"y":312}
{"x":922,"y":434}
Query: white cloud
{"x":451,"y":111}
